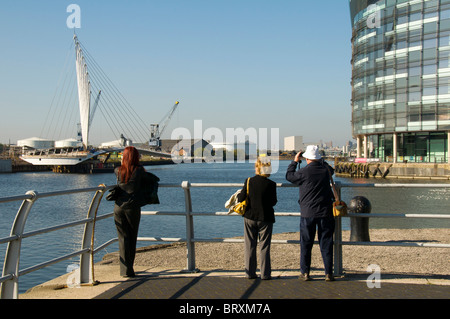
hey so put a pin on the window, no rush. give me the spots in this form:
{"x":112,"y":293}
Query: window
{"x":401,"y":121}
{"x":444,"y":41}
{"x":444,"y":63}
{"x":430,"y":43}
{"x":443,"y":114}
{"x":429,"y":69}
{"x":431,"y":3}
{"x":415,"y":16}
{"x":415,"y":71}
{"x":444,"y":25}
{"x":429,"y":91}
{"x":429,"y":15}
{"x":438,"y":147}
{"x":430,"y":54}
{"x":421,"y":147}
{"x":414,"y":96}
{"x":444,"y":89}
{"x":414,"y":56}
{"x":383,"y":147}
{"x":414,"y":114}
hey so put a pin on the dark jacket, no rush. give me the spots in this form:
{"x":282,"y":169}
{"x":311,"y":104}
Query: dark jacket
{"x":262,"y":198}
{"x":316,"y":195}
{"x":131,"y":189}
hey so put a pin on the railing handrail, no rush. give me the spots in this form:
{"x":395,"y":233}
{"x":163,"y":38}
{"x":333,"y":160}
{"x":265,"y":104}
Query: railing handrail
{"x":104,"y":188}
{"x":33,"y":194}
{"x":11,"y":273}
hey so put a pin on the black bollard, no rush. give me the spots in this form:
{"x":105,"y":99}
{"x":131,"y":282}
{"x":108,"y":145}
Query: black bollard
{"x":359,"y":226}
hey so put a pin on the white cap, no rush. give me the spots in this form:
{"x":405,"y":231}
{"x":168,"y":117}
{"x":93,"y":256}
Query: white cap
{"x":312,"y":152}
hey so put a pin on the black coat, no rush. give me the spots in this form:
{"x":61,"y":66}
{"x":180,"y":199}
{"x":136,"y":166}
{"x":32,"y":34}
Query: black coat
{"x":131,"y":189}
{"x":262,"y":198}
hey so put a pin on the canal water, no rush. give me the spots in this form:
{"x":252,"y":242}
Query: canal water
{"x":58,"y":210}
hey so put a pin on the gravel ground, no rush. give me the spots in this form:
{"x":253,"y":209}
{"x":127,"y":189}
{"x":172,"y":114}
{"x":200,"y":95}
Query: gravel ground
{"x":393,"y":261}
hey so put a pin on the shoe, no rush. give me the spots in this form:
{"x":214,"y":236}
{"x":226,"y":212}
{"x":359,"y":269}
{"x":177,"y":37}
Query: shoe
{"x":252,"y":277}
{"x":266,"y":278}
{"x":305,"y":277}
{"x":329,"y":277}
{"x":129,"y":275}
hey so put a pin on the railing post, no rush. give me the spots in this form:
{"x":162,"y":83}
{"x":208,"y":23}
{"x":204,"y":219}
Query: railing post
{"x":190,"y":245}
{"x":87,"y":259}
{"x":10,"y":288}
{"x":338,"y":240}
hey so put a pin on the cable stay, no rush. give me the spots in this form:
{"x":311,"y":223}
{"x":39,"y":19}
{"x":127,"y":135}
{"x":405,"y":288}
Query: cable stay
{"x":94,"y":108}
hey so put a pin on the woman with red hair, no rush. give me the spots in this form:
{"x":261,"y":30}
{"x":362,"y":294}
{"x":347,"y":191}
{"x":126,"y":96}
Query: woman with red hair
{"x":127,"y":213}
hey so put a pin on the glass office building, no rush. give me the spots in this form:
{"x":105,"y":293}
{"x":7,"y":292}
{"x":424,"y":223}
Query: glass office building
{"x":401,"y":79}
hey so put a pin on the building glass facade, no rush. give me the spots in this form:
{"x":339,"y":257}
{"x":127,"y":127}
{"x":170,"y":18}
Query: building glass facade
{"x":401,"y":79}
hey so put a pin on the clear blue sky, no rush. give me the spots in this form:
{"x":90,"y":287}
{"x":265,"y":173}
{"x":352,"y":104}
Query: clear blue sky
{"x":231,"y":63}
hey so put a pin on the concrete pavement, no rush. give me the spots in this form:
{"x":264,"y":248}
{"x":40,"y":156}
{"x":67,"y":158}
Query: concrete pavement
{"x":223,"y":284}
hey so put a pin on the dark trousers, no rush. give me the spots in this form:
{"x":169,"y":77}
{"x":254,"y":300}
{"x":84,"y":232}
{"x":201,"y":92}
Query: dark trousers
{"x":325,"y":231}
{"x":127,"y":224}
{"x":252,"y":230}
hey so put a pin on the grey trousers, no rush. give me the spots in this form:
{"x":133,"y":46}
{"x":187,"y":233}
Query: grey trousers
{"x":252,"y":231}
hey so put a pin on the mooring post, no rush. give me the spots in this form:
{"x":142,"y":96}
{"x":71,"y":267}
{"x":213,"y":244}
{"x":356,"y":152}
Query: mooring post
{"x":359,"y":226}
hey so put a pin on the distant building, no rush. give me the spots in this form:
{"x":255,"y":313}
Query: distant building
{"x":401,"y":79}
{"x":68,"y":143}
{"x":185,"y":147}
{"x":36,"y":143}
{"x":247,"y":148}
{"x":293,"y":143}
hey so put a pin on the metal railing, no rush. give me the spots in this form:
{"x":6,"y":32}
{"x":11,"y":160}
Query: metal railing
{"x":11,"y":273}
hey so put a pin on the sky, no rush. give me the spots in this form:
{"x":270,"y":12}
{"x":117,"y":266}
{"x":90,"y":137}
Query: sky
{"x":231,"y":63}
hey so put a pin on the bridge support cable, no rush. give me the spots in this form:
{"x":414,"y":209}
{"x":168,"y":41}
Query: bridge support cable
{"x":60,"y":108}
{"x":65,"y":129}
{"x":68,"y":61}
{"x":119,"y":106}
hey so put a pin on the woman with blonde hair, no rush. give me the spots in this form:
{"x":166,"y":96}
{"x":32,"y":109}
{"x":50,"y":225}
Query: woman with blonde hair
{"x":259,"y":217}
{"x":127,"y":212}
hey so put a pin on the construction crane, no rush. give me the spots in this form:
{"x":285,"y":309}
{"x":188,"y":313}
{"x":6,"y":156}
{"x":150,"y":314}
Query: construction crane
{"x":156,"y":130}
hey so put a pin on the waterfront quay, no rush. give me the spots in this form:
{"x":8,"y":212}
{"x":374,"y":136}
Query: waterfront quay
{"x":190,"y":275}
{"x":172,"y":284}
{"x":412,"y":171}
{"x":219,"y":274}
{"x":17,"y":166}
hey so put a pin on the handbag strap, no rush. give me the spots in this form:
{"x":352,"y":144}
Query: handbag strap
{"x":336,"y":196}
{"x":248,"y":180}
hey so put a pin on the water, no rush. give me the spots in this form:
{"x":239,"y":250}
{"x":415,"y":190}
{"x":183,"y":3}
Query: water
{"x":55,"y":211}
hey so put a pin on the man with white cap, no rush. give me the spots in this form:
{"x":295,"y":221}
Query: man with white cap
{"x":316,"y":207}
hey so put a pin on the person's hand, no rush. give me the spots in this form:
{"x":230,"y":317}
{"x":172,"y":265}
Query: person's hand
{"x":298,"y":157}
